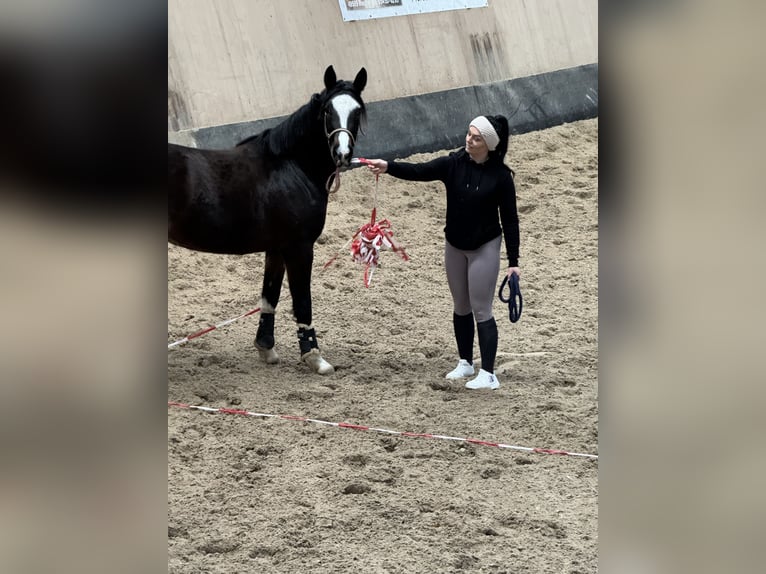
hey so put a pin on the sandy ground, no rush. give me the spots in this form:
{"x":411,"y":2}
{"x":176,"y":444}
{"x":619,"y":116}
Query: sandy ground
{"x":275,"y":495}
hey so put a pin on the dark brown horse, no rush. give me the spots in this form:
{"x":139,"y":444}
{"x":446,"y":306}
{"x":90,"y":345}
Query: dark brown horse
{"x":269,"y":193}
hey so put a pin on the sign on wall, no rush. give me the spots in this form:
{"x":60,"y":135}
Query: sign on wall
{"x":367,"y":9}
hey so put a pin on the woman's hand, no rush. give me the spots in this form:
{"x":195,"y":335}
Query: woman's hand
{"x":377,"y":166}
{"x":512,"y":270}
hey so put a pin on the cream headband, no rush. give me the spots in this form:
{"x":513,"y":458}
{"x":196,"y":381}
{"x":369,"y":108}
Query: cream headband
{"x":487,"y":132}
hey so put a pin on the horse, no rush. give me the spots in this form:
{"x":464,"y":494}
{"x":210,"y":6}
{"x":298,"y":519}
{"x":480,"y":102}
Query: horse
{"x":269,"y":194}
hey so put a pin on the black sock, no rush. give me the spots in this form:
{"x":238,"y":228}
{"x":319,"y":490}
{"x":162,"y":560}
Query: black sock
{"x":488,"y":344}
{"x":464,"y":332}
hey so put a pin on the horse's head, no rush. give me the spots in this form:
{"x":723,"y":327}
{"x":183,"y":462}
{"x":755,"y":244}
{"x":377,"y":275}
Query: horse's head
{"x":343,"y":114}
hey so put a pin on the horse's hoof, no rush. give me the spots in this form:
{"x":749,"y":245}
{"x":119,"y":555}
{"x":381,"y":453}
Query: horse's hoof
{"x":268,"y":356}
{"x":314,"y":360}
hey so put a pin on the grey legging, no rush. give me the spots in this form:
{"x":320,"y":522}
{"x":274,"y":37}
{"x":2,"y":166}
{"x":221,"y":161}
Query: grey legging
{"x":472,"y":277}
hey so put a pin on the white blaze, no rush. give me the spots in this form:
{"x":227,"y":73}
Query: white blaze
{"x":343,"y":106}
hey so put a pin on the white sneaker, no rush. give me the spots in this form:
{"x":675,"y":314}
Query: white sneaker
{"x":484,"y":380}
{"x":463,"y":369}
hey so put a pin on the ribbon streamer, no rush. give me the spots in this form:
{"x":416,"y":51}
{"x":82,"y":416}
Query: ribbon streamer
{"x":345,"y":425}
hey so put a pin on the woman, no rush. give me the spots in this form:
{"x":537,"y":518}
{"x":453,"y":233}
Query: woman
{"x":479,"y":185}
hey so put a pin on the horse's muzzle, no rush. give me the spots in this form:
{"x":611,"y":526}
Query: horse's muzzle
{"x":343,"y":160}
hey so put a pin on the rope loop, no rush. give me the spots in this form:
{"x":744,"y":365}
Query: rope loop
{"x":514,"y":299}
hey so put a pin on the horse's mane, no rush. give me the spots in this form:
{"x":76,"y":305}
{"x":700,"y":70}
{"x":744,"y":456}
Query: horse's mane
{"x":296,"y":128}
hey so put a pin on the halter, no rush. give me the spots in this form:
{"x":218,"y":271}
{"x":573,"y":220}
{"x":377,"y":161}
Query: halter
{"x":336,"y":174}
{"x":329,"y":136}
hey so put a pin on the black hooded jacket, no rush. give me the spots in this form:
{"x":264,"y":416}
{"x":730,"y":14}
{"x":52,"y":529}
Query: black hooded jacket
{"x":476,"y":192}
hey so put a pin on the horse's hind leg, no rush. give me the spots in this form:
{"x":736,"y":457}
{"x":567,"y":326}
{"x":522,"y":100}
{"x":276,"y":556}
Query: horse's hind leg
{"x":273,"y":273}
{"x":298,"y":265}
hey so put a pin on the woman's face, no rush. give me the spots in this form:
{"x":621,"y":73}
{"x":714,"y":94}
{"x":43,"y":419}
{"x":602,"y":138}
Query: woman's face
{"x":474,"y":143}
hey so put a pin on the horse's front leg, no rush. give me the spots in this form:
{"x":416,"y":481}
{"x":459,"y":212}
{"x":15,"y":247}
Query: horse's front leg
{"x":298,"y":264}
{"x":273,"y":273}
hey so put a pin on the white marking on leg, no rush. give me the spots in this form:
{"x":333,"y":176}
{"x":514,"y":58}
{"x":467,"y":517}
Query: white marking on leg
{"x":266,"y":307}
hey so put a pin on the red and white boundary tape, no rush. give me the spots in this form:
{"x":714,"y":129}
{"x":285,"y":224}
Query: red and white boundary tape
{"x":372,"y":429}
{"x":211,"y":328}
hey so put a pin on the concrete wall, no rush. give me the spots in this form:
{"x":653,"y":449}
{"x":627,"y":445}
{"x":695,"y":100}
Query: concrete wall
{"x":400,"y":127}
{"x":241,"y":61}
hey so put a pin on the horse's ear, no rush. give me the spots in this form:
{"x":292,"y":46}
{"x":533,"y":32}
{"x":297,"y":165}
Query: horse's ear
{"x":361,"y":80}
{"x":330,"y":79}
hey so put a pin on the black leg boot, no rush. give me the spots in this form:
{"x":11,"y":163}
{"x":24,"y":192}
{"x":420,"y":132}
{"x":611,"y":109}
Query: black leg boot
{"x":488,"y":347}
{"x":464,"y":332}
{"x":264,"y":339}
{"x":488,"y":344}
{"x":307,"y":339}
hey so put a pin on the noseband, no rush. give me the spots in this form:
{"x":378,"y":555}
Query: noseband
{"x":335,"y":131}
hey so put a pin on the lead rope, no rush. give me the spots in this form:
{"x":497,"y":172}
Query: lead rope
{"x":370,"y":238}
{"x":336,"y":183}
{"x":336,"y":174}
{"x":514,"y":299}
